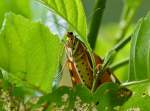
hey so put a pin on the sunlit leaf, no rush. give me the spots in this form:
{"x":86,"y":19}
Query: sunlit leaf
{"x":29,"y":52}
{"x":17,"y":6}
{"x":72,"y":11}
{"x":140,"y":51}
{"x":140,"y":99}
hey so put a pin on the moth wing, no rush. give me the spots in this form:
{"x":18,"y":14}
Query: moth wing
{"x":108,"y":76}
{"x":74,"y":73}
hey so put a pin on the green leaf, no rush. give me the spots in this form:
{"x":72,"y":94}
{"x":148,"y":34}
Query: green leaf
{"x":18,"y":92}
{"x":84,"y":93}
{"x":1,"y":106}
{"x":133,"y":3}
{"x":62,"y":97}
{"x":29,"y":52}
{"x":111,"y":95}
{"x":140,"y":51}
{"x":68,"y":98}
{"x":17,"y":6}
{"x":1,"y":76}
{"x":140,"y":99}
{"x":72,"y":11}
{"x":105,"y":98}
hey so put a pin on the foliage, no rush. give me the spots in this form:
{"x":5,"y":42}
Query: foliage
{"x":31,"y":55}
{"x":30,"y":50}
{"x":140,"y":51}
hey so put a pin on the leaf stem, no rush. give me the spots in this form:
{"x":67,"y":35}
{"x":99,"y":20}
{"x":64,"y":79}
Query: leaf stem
{"x":119,"y":64}
{"x":96,"y":22}
{"x":122,"y":43}
{"x":135,"y":82}
{"x":109,"y":56}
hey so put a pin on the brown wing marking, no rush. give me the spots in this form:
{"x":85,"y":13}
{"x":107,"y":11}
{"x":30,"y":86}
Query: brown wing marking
{"x":107,"y":76}
{"x":73,"y":73}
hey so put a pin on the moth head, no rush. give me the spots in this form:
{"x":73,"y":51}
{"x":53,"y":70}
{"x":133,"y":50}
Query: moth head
{"x":70,"y":39}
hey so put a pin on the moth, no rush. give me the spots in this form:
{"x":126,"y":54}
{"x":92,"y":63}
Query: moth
{"x":80,"y":64}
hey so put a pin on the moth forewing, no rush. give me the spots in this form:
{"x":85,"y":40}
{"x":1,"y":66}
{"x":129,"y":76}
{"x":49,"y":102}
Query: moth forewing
{"x":80,"y":61}
{"x":70,"y":50}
